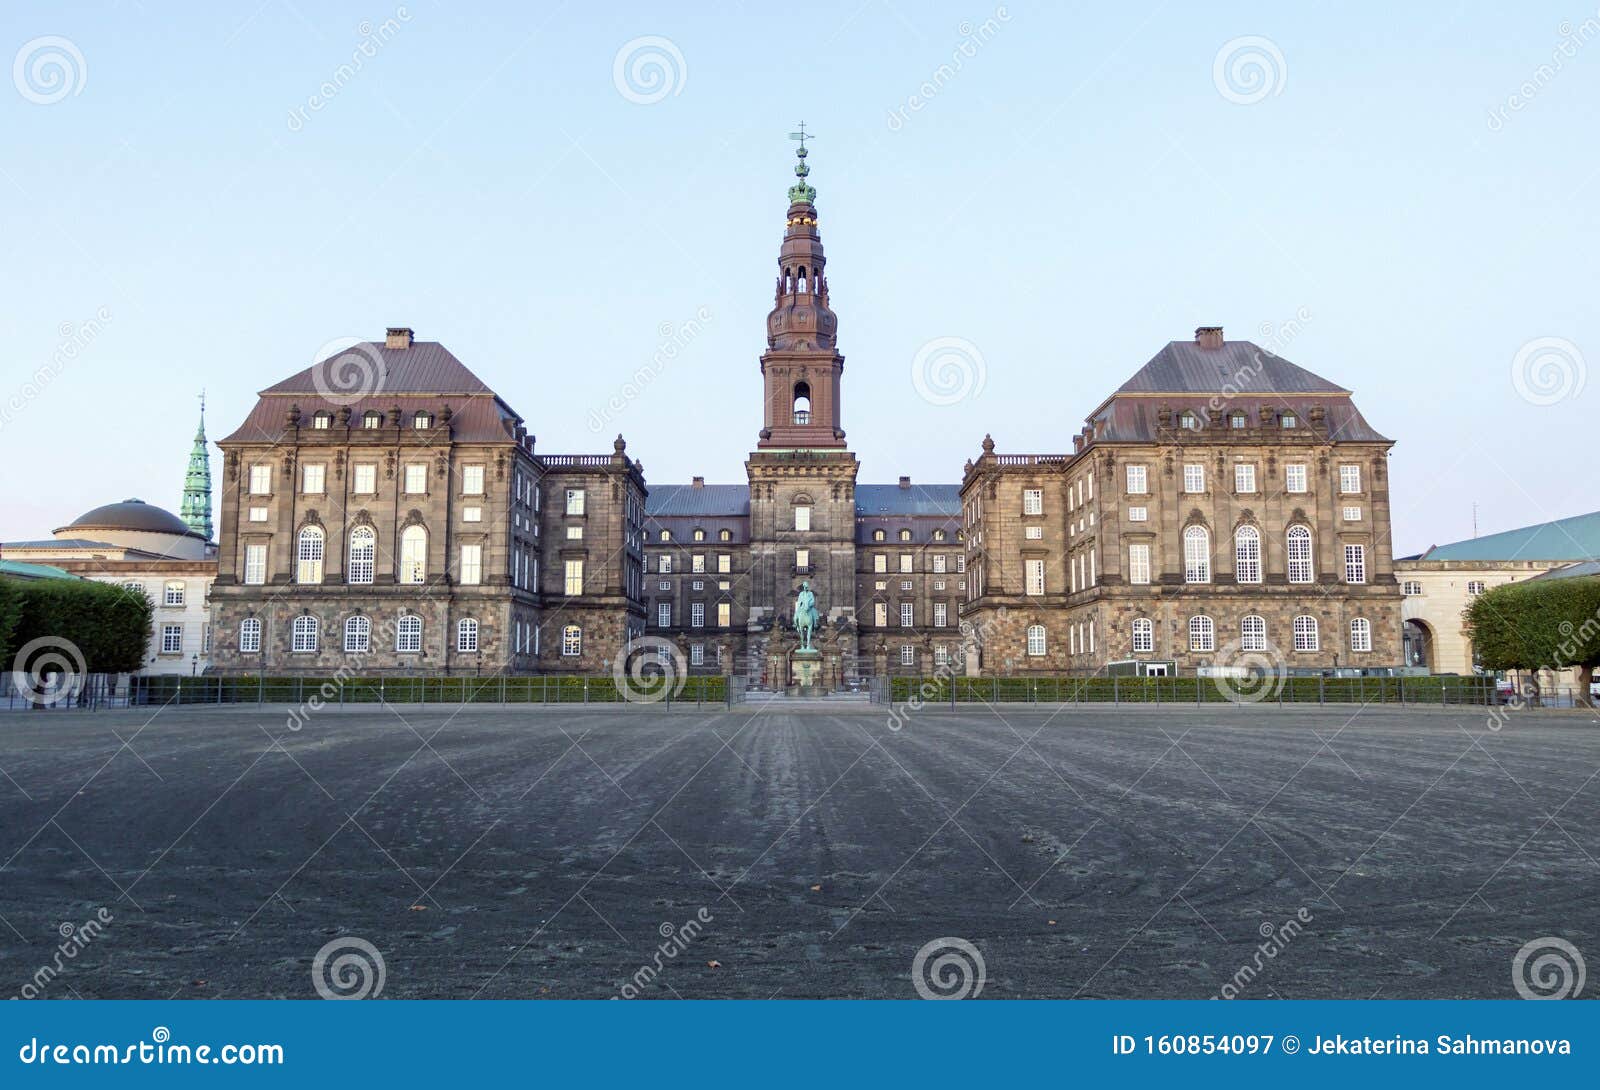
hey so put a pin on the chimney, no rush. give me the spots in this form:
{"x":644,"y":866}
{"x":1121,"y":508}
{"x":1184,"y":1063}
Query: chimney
{"x":397,"y":336}
{"x":699,"y":482}
{"x":905,"y":482}
{"x":1208,"y":336}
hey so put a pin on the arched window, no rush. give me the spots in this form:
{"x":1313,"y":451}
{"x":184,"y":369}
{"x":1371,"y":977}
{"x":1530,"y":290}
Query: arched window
{"x":408,"y":633}
{"x":877,"y":535}
{"x":803,"y":279}
{"x":1299,"y":549}
{"x":1202,"y":634}
{"x":802,"y":403}
{"x":905,"y":535}
{"x":571,"y":640}
{"x":1144,"y":634}
{"x":250,"y":635}
{"x":305,"y":633}
{"x":1188,"y":420}
{"x":308,"y":568}
{"x":724,"y":535}
{"x":1036,"y":639}
{"x":466,"y":634}
{"x":363,"y":554}
{"x":1247,"y":554}
{"x":938,"y":535}
{"x":1196,"y":555}
{"x":1361,"y":634}
{"x":357,"y":635}
{"x":422,"y":420}
{"x":413,"y":554}
{"x":666,"y":535}
{"x":699,"y":535}
{"x":1306,"y":637}
{"x":371,"y":419}
{"x":322,"y":420}
{"x":1253,"y":634}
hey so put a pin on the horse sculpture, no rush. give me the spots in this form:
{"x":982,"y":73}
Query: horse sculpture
{"x":805,"y":616}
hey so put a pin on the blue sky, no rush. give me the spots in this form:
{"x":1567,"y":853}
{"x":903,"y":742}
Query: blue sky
{"x":1077,"y":192}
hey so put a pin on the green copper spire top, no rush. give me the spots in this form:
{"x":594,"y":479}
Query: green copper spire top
{"x":196,"y":509}
{"x":801,"y":191}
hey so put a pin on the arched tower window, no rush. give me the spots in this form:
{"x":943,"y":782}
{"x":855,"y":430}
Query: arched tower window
{"x":802,"y":403}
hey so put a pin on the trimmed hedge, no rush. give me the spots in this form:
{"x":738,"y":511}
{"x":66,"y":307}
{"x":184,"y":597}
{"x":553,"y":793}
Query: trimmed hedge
{"x":109,"y":627}
{"x":1192,"y":690}
{"x":522,"y":689}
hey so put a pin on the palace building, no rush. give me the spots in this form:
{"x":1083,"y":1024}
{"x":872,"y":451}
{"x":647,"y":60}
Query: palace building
{"x":385,"y":510}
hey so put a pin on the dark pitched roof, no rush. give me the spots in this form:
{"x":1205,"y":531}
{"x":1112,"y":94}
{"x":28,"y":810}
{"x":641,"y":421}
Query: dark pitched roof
{"x":708,"y":500}
{"x":918,"y":499}
{"x":1575,"y":538}
{"x":135,"y":515}
{"x":1183,"y":367}
{"x":1584,"y":569}
{"x":427,"y":367}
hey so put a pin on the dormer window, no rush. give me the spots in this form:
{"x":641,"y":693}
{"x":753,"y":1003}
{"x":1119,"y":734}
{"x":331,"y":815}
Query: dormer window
{"x":905,"y":535}
{"x":422,"y":420}
{"x":666,"y":535}
{"x":699,"y":535}
{"x":938,"y":535}
{"x":1289,"y":420}
{"x":371,"y":420}
{"x":877,"y":535}
{"x":802,"y":403}
{"x":1189,"y":421}
{"x":322,"y":421}
{"x":1238,"y":420}
{"x":724,"y":535}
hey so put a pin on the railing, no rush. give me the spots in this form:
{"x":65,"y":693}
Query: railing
{"x":1030,"y":459}
{"x":575,"y":459}
{"x":1419,"y":691}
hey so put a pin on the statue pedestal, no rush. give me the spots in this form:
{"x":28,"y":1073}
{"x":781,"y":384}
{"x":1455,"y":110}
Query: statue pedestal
{"x":805,"y":672}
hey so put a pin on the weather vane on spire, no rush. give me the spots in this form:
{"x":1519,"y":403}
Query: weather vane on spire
{"x":801,"y":191}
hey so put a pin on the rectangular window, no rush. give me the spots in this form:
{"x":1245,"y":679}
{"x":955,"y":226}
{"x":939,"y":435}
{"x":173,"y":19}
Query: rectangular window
{"x":880,"y":614}
{"x":312,"y":476}
{"x":724,"y":614}
{"x":250,"y":635}
{"x":258,"y":514}
{"x":1136,"y":480}
{"x":697,"y":563}
{"x":1294,"y":477}
{"x":1352,"y":514}
{"x":697,"y":614}
{"x":1138,"y":514}
{"x":802,"y":559}
{"x":1033,"y":501}
{"x":416,"y":482}
{"x":665,"y":565}
{"x":697,"y":654}
{"x":908,"y":655}
{"x":1031,"y":533}
{"x":1194,"y":477}
{"x":574,"y":501}
{"x":802,"y":517}
{"x":1139,"y":564}
{"x":663,"y":614}
{"x":905,"y":614}
{"x":364,"y":479}
{"x":941,"y":655}
{"x":905,"y":562}
{"x":941,"y":614}
{"x":1355,"y":563}
{"x":938,"y":562}
{"x":574,"y":577}
{"x":255,"y":564}
{"x":1244,"y":477}
{"x":1035,"y":576}
{"x":880,"y":563}
{"x":173,"y":594}
{"x":171,"y":639}
{"x":472,"y":480}
{"x":1349,"y":478}
{"x":471,"y":565}
{"x":261,"y":480}
{"x":472,"y":514}
{"x":724,"y":563}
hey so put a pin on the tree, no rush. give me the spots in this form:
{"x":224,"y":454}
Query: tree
{"x":1549,"y":624}
{"x":103,"y":625}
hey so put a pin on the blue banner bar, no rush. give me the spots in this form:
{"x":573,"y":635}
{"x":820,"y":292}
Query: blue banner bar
{"x":801,"y":1044}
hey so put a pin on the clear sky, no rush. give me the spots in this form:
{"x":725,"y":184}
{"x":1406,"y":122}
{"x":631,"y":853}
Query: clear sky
{"x":1072,"y":187}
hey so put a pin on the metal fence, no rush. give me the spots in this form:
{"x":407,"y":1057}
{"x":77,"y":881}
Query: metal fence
{"x":1195,"y":690}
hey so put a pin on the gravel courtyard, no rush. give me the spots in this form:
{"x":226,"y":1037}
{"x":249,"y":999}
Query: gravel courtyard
{"x":1092,"y":852}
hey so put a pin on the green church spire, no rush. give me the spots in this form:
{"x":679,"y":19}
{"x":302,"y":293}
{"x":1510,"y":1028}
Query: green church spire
{"x":196,"y":509}
{"x":801,"y":191}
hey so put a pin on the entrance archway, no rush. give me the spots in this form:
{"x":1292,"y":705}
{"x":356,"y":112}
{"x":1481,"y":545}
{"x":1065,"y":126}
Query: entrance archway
{"x":1417,"y":641}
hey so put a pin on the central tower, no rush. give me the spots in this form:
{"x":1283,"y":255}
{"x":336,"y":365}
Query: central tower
{"x":802,"y":476}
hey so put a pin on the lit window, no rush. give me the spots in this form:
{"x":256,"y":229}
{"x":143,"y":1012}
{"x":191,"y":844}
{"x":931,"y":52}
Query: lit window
{"x":357,"y":635}
{"x":1361,"y":634}
{"x":308,"y":566}
{"x":802,"y":560}
{"x":260,"y":480}
{"x":664,"y":563}
{"x":471,"y":565}
{"x":724,"y":535}
{"x":1306,"y":637}
{"x":1202,"y":634}
{"x":697,"y":563}
{"x":466,"y":635}
{"x":1194,"y":477}
{"x":574,"y":533}
{"x":724,"y":563}
{"x":877,"y":535}
{"x":321,"y":421}
{"x":250,"y":635}
{"x":1136,"y":480}
{"x":906,"y":560}
{"x":724,"y":614}
{"x":304,"y":634}
{"x":1355,"y":563}
{"x":574,"y":577}
{"x":802,"y":517}
{"x":472,"y":480}
{"x":880,"y":614}
{"x":1144,"y":634}
{"x":666,"y":535}
{"x":1299,"y":550}
{"x":571,"y":640}
{"x":422,"y":420}
{"x":408,"y":634}
{"x":1196,"y":555}
{"x":416,"y":478}
{"x":938,"y":535}
{"x":1036,"y":639}
{"x":363,"y":554}
{"x":880,"y":562}
{"x":699,"y":535}
{"x":1247,"y":555}
{"x":371,"y":419}
{"x":413,"y":555}
{"x":1253,"y":634}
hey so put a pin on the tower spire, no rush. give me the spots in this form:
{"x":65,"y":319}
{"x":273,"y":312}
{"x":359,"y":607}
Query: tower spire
{"x":800,"y":191}
{"x":196,"y":509}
